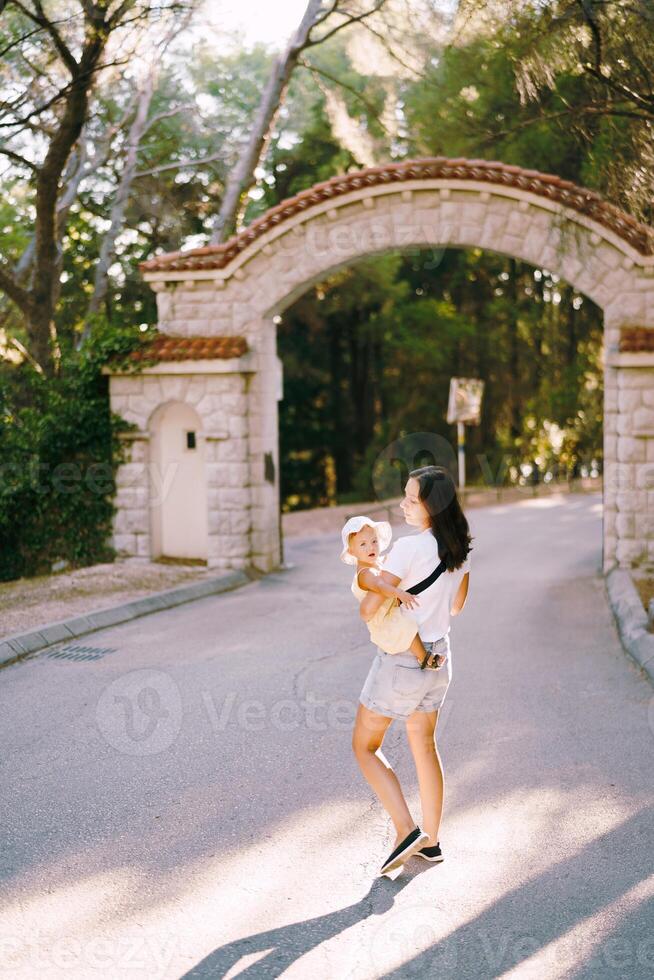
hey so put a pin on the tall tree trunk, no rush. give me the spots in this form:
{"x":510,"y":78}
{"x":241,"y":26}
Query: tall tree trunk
{"x":367,"y":388}
{"x":42,"y":336}
{"x":242,"y":177}
{"x":381,"y":400}
{"x":360,"y":382}
{"x":571,"y":347}
{"x":537,"y":337}
{"x":515,"y":419}
{"x":340,"y":443}
{"x":72,"y":177}
{"x":47,"y":282}
{"x":38,"y":301}
{"x":355,"y":388}
{"x":107,"y":250}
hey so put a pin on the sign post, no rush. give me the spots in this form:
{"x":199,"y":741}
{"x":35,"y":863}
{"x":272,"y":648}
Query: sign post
{"x":464,"y":405}
{"x":279,"y":394}
{"x":461,"y":451}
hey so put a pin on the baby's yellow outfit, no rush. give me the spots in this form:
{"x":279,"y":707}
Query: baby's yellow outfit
{"x":390,"y":628}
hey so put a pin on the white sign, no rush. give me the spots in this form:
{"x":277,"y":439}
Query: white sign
{"x":465,"y":400}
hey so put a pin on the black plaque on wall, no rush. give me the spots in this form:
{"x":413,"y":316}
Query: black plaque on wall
{"x":269,"y":467}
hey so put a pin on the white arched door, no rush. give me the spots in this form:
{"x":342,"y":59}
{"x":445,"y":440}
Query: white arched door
{"x":178,"y":486}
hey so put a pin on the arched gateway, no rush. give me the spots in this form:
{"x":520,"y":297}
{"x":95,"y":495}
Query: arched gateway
{"x":217,"y":346}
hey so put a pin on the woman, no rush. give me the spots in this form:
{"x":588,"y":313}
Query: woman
{"x":396,"y":687}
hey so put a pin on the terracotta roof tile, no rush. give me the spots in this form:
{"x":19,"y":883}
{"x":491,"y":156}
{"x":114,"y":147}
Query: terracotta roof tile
{"x":636,"y":339}
{"x":165,"y":347}
{"x":580,"y":199}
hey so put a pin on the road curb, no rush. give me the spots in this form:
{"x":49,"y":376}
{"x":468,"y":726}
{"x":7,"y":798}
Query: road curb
{"x":20,"y":645}
{"x":631,"y":620}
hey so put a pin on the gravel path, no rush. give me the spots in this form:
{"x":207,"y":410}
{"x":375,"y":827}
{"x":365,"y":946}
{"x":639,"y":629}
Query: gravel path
{"x":28,"y":603}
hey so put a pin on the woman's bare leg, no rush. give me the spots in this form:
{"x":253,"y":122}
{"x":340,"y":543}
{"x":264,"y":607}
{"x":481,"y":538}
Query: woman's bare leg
{"x":420,"y":727}
{"x":367,"y":737}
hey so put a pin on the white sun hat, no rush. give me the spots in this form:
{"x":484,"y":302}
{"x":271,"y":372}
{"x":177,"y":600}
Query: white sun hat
{"x":383,"y":529}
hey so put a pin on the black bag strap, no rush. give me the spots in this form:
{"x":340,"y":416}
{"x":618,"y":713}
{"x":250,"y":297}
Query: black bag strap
{"x":426,"y":582}
{"x":420,"y":587}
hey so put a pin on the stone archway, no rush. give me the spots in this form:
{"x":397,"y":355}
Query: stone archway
{"x":235,"y":289}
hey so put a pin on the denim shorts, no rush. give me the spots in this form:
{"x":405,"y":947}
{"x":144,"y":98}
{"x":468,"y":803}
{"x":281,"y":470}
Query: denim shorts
{"x":396,"y":686}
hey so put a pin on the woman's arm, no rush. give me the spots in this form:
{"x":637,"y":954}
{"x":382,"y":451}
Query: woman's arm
{"x":461,"y":596}
{"x":459,"y":599}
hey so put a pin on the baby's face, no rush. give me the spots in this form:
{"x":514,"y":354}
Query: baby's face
{"x":364,"y":544}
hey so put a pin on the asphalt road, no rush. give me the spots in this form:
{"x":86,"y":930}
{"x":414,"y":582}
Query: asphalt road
{"x":188,"y":804}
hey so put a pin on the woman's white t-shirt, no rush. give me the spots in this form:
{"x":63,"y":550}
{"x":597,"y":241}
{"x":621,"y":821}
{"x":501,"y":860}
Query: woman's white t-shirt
{"x":414,"y":557}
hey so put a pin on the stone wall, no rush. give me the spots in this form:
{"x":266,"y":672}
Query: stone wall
{"x":221,"y":400}
{"x":629,"y":470}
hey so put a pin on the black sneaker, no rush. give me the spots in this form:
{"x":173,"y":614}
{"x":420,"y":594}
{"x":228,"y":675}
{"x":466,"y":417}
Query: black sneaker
{"x":431,"y":853}
{"x":404,"y":850}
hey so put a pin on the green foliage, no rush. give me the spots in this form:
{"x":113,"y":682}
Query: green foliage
{"x":468,"y":105}
{"x":368,"y":356}
{"x":60,"y":448}
{"x":521,"y":85}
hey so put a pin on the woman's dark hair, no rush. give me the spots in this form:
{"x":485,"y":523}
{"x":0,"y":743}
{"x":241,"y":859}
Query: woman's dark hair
{"x":448,"y":523}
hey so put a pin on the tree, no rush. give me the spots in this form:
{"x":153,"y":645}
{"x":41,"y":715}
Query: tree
{"x":586,"y":64}
{"x":141,"y":122}
{"x":242,"y":177}
{"x":48,"y":113}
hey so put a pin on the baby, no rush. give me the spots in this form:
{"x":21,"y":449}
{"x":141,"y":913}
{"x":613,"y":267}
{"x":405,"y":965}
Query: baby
{"x":363,"y":539}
